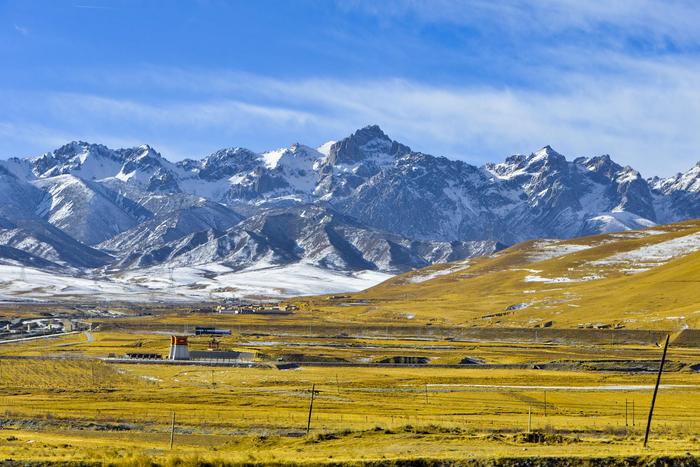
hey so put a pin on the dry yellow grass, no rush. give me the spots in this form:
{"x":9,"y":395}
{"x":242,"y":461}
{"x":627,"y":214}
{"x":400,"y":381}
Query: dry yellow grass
{"x":78,"y":408}
{"x":91,"y":411}
{"x":591,"y":290}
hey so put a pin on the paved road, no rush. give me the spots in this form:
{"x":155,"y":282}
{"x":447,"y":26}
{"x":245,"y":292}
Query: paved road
{"x":48,"y":336}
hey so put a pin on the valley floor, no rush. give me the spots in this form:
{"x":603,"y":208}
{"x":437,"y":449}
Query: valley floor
{"x":61,"y":402}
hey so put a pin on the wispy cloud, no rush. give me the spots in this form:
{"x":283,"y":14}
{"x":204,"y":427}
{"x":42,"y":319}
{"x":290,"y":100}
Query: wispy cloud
{"x":22,"y":30}
{"x":658,"y":21}
{"x":586,"y":77}
{"x":94,"y":7}
{"x":648,"y":123}
{"x":203,"y":113}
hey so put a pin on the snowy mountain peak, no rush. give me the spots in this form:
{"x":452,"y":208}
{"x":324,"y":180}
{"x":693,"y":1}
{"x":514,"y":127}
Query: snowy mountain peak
{"x":366,"y":200}
{"x":520,"y":165}
{"x":227,"y":162}
{"x":366,"y":143}
{"x":688,"y":181}
{"x":92,"y":161}
{"x":546,"y":155}
{"x":627,"y":175}
{"x":325,"y":148}
{"x":602,"y":165}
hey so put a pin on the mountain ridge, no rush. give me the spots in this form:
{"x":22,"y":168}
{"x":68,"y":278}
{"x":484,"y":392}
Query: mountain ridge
{"x":142,"y":210}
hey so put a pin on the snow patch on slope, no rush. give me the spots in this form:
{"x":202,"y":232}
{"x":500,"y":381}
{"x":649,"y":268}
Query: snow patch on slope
{"x":432,"y":274}
{"x":617,"y":221}
{"x":651,"y":256}
{"x":550,"y":249}
{"x":184,"y":284}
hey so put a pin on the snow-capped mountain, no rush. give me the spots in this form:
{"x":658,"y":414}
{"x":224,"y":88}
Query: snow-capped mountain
{"x":365,"y":202}
{"x":322,"y":237}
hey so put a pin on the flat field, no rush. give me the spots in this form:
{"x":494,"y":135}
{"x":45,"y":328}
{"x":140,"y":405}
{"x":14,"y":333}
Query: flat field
{"x":60,"y":402}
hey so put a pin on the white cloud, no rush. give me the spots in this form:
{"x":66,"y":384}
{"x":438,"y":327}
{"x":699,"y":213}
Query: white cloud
{"x":22,"y":30}
{"x":205,"y":113}
{"x":643,"y":112}
{"x":654,"y":20}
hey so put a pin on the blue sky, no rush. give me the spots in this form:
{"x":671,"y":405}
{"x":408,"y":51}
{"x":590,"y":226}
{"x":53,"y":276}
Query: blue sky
{"x":475,"y":80}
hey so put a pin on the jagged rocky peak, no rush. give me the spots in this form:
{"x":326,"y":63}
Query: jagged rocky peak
{"x":537,"y":162}
{"x":688,"y":181}
{"x":369,"y":142}
{"x":602,"y":165}
{"x":628,"y":175}
{"x":227,"y":162}
{"x":140,"y":153}
{"x":69,"y":157}
{"x":142,"y":158}
{"x":545,"y":156}
{"x":294,"y":156}
{"x":163,"y":181}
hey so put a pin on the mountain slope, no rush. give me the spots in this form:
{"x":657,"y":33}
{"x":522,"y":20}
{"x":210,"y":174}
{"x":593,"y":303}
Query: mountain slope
{"x":161,"y":238}
{"x":320,"y":236}
{"x":40,"y":239}
{"x":387,"y":186}
{"x":364,"y":202}
{"x":89,"y":212}
{"x":637,"y":279}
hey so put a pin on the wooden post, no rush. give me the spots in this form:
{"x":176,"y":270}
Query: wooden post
{"x":656,"y":390}
{"x":172,"y":431}
{"x":311,"y":408}
{"x":529,"y":419}
{"x":545,"y":403}
{"x":626,"y":424}
{"x":632,"y":412}
{"x":426,"y":393}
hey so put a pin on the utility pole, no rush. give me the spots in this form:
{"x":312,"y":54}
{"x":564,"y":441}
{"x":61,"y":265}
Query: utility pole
{"x":656,"y":390}
{"x":545,"y":403}
{"x":311,"y":408}
{"x":529,"y":419}
{"x":172,"y":431}
{"x":626,"y":423}
{"x":426,"y":393}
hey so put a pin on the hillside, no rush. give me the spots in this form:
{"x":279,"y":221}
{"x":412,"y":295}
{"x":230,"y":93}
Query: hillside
{"x":365,"y":205}
{"x":644,"y":279}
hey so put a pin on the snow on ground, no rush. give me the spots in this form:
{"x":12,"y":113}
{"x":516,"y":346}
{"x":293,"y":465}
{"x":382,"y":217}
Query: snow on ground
{"x":650,"y":256}
{"x":325,"y":148}
{"x":554,"y":280}
{"x":639,"y":233}
{"x":550,"y":249}
{"x":183,"y":284}
{"x":618,"y":221}
{"x":427,"y":275}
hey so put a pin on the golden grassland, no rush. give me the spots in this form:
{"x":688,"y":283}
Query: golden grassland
{"x":479,"y":293}
{"x":371,"y":349}
{"x":92,"y":411}
{"x":60,"y":402}
{"x":78,"y":408}
{"x":593,"y":291}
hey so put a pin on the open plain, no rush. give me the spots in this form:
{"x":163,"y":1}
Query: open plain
{"x":61,"y":399}
{"x":536,"y":352}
